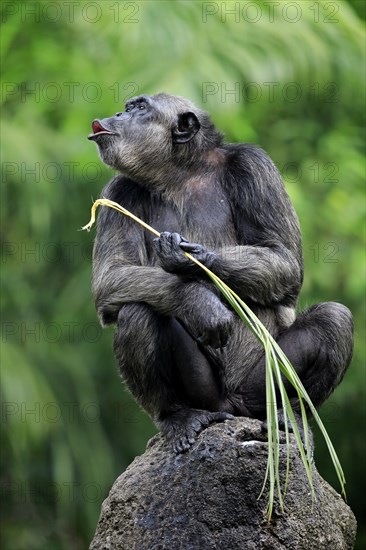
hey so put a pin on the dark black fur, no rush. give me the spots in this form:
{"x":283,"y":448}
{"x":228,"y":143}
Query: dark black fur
{"x":183,"y":353}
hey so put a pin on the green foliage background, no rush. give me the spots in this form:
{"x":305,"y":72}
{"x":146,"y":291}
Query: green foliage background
{"x":68,"y":426}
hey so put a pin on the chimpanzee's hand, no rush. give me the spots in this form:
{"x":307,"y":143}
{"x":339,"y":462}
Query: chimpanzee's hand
{"x":199,"y":252}
{"x":170,"y":248}
{"x":216,"y":332}
{"x":172,"y":257}
{"x":208,"y":320}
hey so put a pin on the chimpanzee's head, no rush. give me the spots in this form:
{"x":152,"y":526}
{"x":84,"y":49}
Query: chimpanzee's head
{"x":153,"y":135}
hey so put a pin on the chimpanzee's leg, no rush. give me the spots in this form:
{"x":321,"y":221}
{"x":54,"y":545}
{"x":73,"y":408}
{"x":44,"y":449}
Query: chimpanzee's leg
{"x":167,"y":373}
{"x":319,"y":345}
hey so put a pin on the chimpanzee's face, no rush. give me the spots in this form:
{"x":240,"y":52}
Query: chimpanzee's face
{"x":142,"y":138}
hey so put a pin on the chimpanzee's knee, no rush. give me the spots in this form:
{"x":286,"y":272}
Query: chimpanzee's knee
{"x":332,"y":324}
{"x":323,"y":339}
{"x":136,"y":333}
{"x":134,"y":321}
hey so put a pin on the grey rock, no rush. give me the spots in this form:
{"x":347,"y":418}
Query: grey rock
{"x":207,"y":499}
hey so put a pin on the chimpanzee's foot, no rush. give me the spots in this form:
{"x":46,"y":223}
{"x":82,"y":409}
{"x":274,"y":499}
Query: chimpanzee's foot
{"x":183,"y":426}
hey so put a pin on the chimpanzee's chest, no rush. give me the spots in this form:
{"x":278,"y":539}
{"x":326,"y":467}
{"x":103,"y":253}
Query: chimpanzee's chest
{"x":203,"y":215}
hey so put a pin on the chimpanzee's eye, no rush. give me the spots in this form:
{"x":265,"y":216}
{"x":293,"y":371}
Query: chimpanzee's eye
{"x":142,"y":107}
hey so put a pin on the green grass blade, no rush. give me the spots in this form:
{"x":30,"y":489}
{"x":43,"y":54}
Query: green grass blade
{"x":283,"y":396}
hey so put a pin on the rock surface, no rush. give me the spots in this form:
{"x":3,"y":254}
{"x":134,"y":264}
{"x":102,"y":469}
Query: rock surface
{"x":207,"y":499}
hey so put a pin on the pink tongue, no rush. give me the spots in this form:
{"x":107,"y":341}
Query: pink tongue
{"x":97,"y":127}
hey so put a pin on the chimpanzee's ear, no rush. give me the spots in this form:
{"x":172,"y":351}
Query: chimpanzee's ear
{"x":186,"y":127}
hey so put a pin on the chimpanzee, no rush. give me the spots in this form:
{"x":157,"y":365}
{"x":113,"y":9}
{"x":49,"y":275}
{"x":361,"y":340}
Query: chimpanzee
{"x":185,"y":355}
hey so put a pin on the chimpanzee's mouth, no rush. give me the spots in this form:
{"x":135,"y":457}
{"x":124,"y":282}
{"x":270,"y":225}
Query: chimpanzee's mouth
{"x":98,"y":130}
